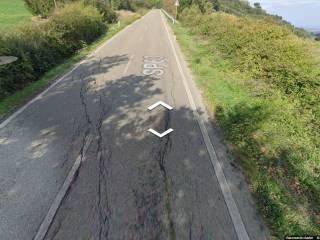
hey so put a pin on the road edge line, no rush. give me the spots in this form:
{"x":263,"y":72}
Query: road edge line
{"x":235,"y":215}
{"x":47,"y":221}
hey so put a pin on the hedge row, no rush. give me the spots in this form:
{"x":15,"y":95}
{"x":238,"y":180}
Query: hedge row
{"x":39,"y":47}
{"x":268,"y":51}
{"x":269,"y":108}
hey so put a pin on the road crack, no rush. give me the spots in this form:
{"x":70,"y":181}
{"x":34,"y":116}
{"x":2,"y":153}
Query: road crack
{"x":165,"y":147}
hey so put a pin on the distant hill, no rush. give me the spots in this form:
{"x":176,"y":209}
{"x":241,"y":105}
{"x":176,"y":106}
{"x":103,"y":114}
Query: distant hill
{"x":317,"y":36}
{"x":313,"y":29}
{"x":315,"y":33}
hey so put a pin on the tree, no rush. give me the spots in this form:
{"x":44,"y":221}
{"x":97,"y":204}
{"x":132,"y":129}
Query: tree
{"x":43,"y":7}
{"x":205,"y":6}
{"x":106,"y":8}
{"x":40,"y":7}
{"x":216,"y":5}
{"x":257,"y":5}
{"x":168,"y":5}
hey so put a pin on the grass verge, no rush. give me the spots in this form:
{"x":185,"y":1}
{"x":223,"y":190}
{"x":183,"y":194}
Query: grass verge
{"x":12,"y":102}
{"x":275,"y":148}
{"x":12,"y":13}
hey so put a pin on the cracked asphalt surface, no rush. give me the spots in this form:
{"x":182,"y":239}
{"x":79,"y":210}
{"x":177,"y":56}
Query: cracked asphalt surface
{"x":131,"y":184}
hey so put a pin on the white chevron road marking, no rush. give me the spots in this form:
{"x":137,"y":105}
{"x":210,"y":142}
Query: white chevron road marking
{"x":160,"y":135}
{"x":160,"y":103}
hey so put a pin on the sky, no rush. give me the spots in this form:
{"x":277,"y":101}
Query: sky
{"x":301,"y":13}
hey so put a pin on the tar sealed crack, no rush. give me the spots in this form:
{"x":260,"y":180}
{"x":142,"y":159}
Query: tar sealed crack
{"x":104,"y":156}
{"x":83,"y":92}
{"x":164,"y":149}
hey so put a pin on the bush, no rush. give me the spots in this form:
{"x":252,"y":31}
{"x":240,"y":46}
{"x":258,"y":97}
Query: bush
{"x":109,"y":15}
{"x":266,"y":50}
{"x":267,"y":102}
{"x":147,"y":4}
{"x":40,"y":7}
{"x":40,"y":47}
{"x":77,"y":25}
{"x":126,"y":5}
{"x":104,"y":7}
{"x":43,"y":7}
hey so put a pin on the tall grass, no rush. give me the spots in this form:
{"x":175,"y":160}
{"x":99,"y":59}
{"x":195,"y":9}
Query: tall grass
{"x":264,"y":84}
{"x":40,"y":47}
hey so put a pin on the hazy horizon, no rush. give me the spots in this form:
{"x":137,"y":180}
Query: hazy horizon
{"x":301,"y":13}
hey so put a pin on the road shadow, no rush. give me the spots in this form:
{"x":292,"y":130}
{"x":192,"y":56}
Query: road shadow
{"x":134,"y":185}
{"x":131,"y":184}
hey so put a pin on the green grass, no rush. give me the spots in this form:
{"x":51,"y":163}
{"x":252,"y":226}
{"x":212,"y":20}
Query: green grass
{"x":275,"y":148}
{"x":20,"y":97}
{"x":13,"y":13}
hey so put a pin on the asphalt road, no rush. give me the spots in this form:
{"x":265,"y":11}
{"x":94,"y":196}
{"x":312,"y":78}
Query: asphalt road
{"x":130,"y":184}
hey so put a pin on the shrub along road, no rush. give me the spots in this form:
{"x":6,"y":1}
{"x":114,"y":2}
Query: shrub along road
{"x":130,"y":184}
{"x":262,"y":81}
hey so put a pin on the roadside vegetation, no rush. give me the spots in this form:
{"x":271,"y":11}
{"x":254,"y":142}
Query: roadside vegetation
{"x":10,"y":102}
{"x":13,"y":13}
{"x":60,"y":35}
{"x":263,"y":82}
{"x":39,"y":47}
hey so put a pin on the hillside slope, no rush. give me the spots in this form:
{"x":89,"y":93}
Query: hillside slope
{"x":263,"y":83}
